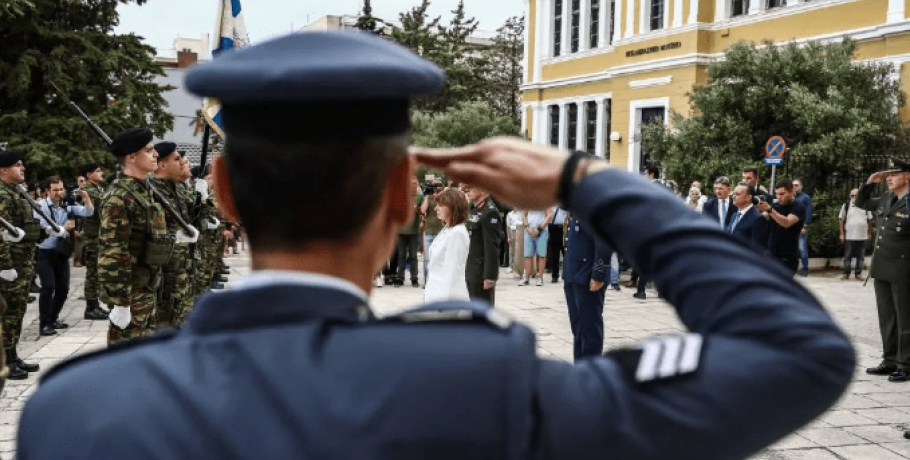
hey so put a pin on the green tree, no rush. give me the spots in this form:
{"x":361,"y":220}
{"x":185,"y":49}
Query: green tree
{"x":508,"y":69}
{"x":830,"y":111}
{"x":110,"y":76}
{"x":367,"y":22}
{"x":466,"y":123}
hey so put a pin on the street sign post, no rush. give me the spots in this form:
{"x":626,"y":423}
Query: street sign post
{"x":775,"y":149}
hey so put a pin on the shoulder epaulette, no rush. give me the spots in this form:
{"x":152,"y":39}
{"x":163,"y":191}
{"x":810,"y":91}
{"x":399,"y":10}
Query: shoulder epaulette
{"x":452,"y":312}
{"x":660,"y":358}
{"x":160,"y":336}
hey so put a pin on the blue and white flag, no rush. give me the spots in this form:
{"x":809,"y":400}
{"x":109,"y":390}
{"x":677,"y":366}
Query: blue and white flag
{"x":230,"y":32}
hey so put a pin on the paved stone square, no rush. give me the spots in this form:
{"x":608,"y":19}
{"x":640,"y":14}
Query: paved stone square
{"x":866,"y":424}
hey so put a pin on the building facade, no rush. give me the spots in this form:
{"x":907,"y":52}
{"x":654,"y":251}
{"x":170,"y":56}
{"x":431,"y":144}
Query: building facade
{"x":187,"y":132}
{"x":596,"y":70}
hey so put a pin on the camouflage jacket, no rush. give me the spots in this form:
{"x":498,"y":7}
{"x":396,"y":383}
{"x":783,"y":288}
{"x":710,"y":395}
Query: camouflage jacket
{"x":15,"y":209}
{"x":173,"y":191}
{"x":130,"y":219}
{"x":89,"y":224}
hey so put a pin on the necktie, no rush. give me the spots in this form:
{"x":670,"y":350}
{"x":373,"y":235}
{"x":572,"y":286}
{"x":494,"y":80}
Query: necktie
{"x":723,"y":212}
{"x":735,"y":221}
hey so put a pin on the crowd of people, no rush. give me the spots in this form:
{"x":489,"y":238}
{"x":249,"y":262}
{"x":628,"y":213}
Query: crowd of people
{"x":121,"y":235}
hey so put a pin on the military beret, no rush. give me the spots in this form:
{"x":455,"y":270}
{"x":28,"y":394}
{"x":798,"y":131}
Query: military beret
{"x":165,"y":149}
{"x":316,"y":85}
{"x":87,"y":168}
{"x":130,"y":141}
{"x":8,"y":159}
{"x":898,"y":166}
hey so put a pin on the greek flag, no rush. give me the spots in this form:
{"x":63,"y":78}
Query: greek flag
{"x":230,"y":32}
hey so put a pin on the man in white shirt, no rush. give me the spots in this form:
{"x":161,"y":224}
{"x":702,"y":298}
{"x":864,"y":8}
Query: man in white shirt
{"x":53,"y":259}
{"x":855,"y":230}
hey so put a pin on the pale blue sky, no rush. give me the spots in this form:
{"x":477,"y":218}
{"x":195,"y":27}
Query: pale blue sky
{"x":161,"y":21}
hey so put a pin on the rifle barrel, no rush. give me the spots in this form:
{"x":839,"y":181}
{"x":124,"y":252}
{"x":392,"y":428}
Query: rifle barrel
{"x":39,"y":211}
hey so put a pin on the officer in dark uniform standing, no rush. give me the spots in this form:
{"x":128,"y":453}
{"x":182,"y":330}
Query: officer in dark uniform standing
{"x":485,"y":227}
{"x":291,"y":363}
{"x":891,"y":267}
{"x":586,"y":269}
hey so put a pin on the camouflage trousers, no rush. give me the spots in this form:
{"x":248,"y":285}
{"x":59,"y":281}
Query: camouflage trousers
{"x":205,"y":262}
{"x":92,"y":289}
{"x":142,"y":308}
{"x":16,"y":295}
{"x":175,"y":294}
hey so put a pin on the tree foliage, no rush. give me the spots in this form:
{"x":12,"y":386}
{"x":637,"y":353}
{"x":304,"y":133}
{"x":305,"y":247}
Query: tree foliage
{"x":508,"y":69}
{"x":830,"y":111}
{"x":466,"y":123}
{"x":110,"y":76}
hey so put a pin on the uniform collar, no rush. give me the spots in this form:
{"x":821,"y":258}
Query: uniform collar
{"x":276,"y":298}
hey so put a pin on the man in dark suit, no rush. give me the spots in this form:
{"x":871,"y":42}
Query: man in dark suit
{"x":891,"y":267}
{"x":585,"y":271}
{"x":747,"y":223}
{"x":484,"y":225}
{"x":720,"y":207}
{"x":292,"y":363}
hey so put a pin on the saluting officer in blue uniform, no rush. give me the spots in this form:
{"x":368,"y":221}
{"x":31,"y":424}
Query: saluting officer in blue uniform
{"x":291,"y":362}
{"x":586,"y":269}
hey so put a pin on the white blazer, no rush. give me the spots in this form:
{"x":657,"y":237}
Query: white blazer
{"x":448,"y":257}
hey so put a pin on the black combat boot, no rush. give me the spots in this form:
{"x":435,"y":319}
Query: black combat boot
{"x":15,"y":372}
{"x":93,"y":310}
{"x":23,"y":365}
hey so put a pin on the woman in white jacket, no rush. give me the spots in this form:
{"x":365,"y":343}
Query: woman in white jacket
{"x":449,"y":252}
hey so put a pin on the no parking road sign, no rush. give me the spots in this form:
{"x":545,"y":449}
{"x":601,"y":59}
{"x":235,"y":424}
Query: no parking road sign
{"x":775,"y":150}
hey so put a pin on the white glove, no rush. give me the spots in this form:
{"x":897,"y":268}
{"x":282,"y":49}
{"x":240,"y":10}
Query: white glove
{"x":9,"y":238}
{"x":184,"y":237}
{"x":120,"y":316}
{"x":203,"y":188}
{"x":212,"y":223}
{"x":61,"y":234}
{"x":9,"y":275}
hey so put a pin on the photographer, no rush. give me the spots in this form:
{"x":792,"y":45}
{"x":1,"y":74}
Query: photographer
{"x":54,"y":252}
{"x":432,"y":225}
{"x":786,"y":217}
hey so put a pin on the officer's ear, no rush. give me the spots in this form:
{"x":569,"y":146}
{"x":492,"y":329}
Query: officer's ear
{"x":400,"y":191}
{"x":222,"y":190}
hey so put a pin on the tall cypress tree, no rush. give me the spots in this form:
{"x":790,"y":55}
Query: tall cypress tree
{"x":110,"y":76}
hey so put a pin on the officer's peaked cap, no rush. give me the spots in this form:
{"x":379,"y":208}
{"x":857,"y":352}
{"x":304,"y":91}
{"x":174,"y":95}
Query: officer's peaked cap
{"x":898,"y":166}
{"x":130,"y":141}
{"x":316,"y":85}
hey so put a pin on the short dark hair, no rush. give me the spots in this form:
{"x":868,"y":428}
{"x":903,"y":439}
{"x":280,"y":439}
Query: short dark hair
{"x":50,"y":180}
{"x":456,"y":201}
{"x":752,"y":170}
{"x":722,"y":180}
{"x":653,"y":170}
{"x":785,"y":184}
{"x":291,"y":193}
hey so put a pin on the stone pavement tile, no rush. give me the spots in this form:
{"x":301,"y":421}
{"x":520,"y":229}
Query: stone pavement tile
{"x":901,"y":448}
{"x":8,"y":432}
{"x":867,"y":452}
{"x":840,"y":418}
{"x":869,"y":387}
{"x":897,"y":398}
{"x":878,"y":434}
{"x":794,"y":441}
{"x":809,"y":454}
{"x":9,"y":417}
{"x":852,"y":401}
{"x":885,"y":415}
{"x":830,"y":437}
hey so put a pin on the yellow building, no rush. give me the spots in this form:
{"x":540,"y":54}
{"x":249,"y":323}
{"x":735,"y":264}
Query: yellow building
{"x":595,"y":69}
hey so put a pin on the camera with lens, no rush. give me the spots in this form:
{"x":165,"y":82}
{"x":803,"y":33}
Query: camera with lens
{"x":429,"y":188}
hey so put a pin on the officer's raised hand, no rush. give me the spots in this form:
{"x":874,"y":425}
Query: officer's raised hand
{"x":521,"y":174}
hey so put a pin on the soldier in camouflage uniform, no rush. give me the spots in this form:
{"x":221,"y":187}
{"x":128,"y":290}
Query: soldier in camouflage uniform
{"x":17,"y":260}
{"x":174,"y":290}
{"x":94,"y":186}
{"x":134,"y":242}
{"x":187,"y":191}
{"x":207,"y":246}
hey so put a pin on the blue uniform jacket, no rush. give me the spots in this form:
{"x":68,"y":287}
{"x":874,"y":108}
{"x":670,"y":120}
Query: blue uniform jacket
{"x":290,"y":372}
{"x":586,"y":259}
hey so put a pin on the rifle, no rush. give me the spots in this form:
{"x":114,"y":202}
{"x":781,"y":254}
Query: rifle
{"x":107,"y":141}
{"x":12,"y":228}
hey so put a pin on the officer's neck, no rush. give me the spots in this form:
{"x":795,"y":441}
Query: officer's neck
{"x":341,"y":260}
